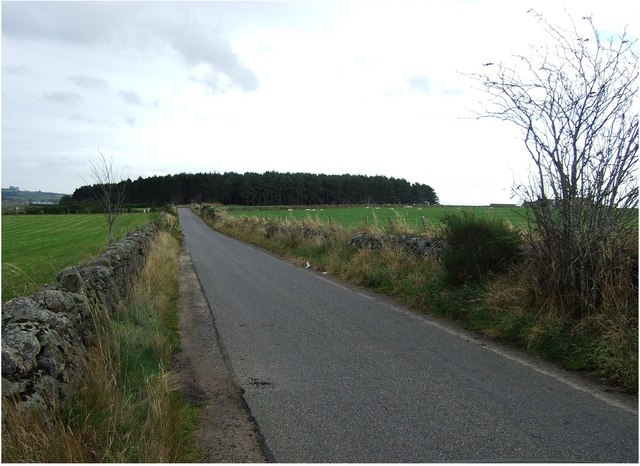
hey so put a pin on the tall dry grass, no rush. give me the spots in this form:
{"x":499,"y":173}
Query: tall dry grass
{"x":128,"y":408}
{"x":603,"y":342}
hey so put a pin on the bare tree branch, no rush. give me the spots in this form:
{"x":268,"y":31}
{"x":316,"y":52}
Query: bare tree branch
{"x":109,"y":190}
{"x":573,"y":100}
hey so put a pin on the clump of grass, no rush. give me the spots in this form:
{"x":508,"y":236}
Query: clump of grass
{"x":399,"y":225}
{"x":16,"y":282}
{"x":128,"y":408}
{"x":603,"y":343}
{"x":27,"y":436}
{"x":611,"y":341}
{"x":371,"y":226}
{"x":163,"y":433}
{"x":166,"y":221}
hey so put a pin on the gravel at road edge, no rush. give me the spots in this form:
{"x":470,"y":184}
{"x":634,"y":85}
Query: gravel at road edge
{"x":227,"y":433}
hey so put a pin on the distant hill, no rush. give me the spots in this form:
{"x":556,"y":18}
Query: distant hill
{"x":15,"y":196}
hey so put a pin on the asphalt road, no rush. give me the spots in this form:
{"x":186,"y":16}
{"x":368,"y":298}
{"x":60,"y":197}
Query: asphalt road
{"x":335,"y":374}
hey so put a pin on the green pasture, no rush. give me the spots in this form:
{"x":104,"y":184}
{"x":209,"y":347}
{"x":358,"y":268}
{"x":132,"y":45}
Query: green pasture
{"x":36,"y":247}
{"x":353,"y":217}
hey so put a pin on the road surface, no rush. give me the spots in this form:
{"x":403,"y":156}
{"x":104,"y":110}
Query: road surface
{"x":332,"y":373}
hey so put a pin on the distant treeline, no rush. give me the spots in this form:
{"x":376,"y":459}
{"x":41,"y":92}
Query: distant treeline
{"x":270,"y":188}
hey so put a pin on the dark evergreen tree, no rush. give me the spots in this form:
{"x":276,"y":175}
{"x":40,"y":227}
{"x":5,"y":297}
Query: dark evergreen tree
{"x":270,"y":188}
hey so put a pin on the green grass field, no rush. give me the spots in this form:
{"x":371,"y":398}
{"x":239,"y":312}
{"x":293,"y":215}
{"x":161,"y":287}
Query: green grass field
{"x":352,"y":217}
{"x":36,"y":247}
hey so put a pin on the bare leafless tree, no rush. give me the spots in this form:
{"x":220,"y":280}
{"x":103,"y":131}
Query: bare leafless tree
{"x":109,"y":190}
{"x":573,"y":100}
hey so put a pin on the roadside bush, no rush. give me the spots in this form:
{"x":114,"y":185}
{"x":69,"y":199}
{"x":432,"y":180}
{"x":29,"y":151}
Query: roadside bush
{"x":168,"y":222}
{"x":477,"y":247}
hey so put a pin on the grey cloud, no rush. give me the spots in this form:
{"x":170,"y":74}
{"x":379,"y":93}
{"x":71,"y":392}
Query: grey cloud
{"x":130,"y":121}
{"x":88,"y":82}
{"x":214,"y":81}
{"x":82,"y":119}
{"x":79,"y":23}
{"x":16,"y":70}
{"x":196,"y":48}
{"x":131,"y":97}
{"x":130,"y":24}
{"x":103,"y":122}
{"x":71,"y":98}
{"x":420,"y":84}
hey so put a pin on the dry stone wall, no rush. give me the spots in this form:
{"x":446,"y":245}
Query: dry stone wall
{"x":420,"y":246}
{"x":45,"y":336}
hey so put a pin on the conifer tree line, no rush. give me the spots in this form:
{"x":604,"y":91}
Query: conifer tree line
{"x":270,"y":188}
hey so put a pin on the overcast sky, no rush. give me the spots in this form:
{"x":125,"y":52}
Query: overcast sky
{"x":372,"y":88}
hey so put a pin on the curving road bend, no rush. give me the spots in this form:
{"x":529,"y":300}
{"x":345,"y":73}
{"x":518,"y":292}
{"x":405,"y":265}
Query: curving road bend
{"x":336,"y":374}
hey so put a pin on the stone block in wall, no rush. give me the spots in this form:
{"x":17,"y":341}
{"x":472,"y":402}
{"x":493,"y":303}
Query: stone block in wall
{"x":43,"y":353}
{"x":95,"y":282}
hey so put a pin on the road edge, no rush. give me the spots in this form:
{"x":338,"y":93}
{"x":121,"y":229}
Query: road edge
{"x":227,"y":430}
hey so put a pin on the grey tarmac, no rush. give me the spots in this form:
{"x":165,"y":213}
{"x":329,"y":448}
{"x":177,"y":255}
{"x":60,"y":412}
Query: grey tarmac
{"x":334,"y":373}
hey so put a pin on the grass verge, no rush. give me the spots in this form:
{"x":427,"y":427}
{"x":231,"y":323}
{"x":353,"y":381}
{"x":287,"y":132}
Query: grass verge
{"x":129,"y":408}
{"x":499,"y":305}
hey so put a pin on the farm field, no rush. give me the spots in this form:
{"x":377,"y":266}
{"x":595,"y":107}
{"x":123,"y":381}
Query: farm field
{"x":352,"y":217}
{"x":36,"y":247}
